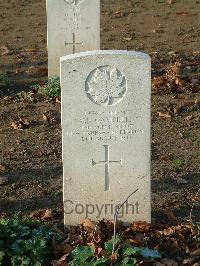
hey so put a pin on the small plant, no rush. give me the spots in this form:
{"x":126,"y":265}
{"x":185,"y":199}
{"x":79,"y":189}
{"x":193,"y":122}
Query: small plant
{"x":124,"y":254}
{"x":50,"y":89}
{"x":4,"y":82}
{"x":178,"y":164}
{"x":26,"y":96}
{"x":24,"y":242}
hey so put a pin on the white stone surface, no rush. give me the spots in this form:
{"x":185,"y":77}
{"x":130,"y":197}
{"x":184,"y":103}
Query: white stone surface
{"x":106,"y":135}
{"x":72,"y":26}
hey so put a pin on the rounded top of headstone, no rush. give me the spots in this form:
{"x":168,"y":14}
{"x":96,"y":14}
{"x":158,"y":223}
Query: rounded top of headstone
{"x":134,"y":54}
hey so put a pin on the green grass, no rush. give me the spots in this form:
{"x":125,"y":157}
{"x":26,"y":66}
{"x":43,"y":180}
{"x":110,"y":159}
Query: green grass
{"x":4,"y":83}
{"x":178,"y":164}
{"x":51,"y":88}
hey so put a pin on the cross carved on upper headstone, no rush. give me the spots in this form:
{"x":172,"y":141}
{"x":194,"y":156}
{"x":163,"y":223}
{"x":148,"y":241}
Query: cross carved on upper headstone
{"x":107,"y":163}
{"x":74,"y":43}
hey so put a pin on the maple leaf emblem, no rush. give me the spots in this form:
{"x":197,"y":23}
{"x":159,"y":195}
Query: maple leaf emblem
{"x":106,"y":86}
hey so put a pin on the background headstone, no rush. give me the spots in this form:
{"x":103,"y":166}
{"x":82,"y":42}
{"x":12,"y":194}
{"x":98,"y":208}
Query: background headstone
{"x":106,"y":135}
{"x":73,"y":26}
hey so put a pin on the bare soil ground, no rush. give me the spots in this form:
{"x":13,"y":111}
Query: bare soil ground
{"x":31,"y":157}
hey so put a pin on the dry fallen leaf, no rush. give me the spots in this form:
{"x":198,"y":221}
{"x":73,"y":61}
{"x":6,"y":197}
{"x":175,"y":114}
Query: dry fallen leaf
{"x":195,"y":252}
{"x":158,"y":82}
{"x":171,"y":53}
{"x":2,"y":168}
{"x":128,"y":39}
{"x":21,"y":124}
{"x":58,"y":99}
{"x":119,"y":14}
{"x":61,"y":262}
{"x":15,"y":125}
{"x":189,"y":117}
{"x":178,"y":82}
{"x":88,"y":224}
{"x":46,"y":117}
{"x":39,"y":214}
{"x":183,"y":13}
{"x":140,"y":227}
{"x":137,"y":240}
{"x":165,"y":115}
{"x":30,"y":50}
{"x":173,"y":73}
{"x":24,"y":121}
{"x":5,"y":50}
{"x":190,"y":261}
{"x":153,"y":31}
{"x":169,"y":2}
{"x":47,"y":215}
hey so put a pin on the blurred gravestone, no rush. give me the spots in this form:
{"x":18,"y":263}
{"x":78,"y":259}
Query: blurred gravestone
{"x":73,"y":26}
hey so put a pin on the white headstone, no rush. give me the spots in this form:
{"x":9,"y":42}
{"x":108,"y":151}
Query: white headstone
{"x":106,"y":135}
{"x":73,"y":26}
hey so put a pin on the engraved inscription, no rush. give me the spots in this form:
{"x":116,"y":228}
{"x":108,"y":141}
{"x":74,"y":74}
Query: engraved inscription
{"x":106,"y":125}
{"x":73,"y":19}
{"x":107,"y":163}
{"x":73,"y":2}
{"x":106,"y":86}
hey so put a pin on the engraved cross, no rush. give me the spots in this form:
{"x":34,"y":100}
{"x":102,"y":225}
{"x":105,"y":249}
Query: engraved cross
{"x":74,"y":43}
{"x":107,"y":163}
